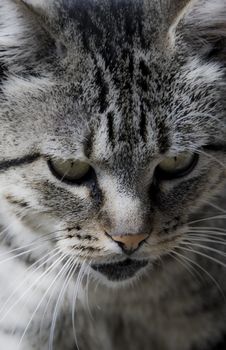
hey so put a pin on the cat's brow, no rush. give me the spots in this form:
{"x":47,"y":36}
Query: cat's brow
{"x":6,"y":164}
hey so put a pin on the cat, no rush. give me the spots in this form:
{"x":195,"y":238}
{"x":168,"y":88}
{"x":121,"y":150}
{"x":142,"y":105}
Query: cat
{"x":112,"y":174}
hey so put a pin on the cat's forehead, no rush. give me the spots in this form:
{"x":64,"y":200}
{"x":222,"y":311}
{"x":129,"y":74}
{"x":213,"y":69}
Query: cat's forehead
{"x":107,"y":25}
{"x":132,"y":91}
{"x":136,"y":109}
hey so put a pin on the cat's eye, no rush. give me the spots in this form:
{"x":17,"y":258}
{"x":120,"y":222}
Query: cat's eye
{"x":73,"y":171}
{"x":178,"y":166}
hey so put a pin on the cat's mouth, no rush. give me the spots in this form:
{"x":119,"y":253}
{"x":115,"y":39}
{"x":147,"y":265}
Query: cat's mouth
{"x":122,"y":270}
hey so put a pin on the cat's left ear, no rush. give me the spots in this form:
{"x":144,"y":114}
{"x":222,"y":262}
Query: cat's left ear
{"x":202,"y":25}
{"x":45,"y":11}
{"x":40,"y":7}
{"x":47,"y":14}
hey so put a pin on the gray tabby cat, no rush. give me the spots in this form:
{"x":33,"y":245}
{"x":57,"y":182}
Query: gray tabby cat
{"x":112,"y":174}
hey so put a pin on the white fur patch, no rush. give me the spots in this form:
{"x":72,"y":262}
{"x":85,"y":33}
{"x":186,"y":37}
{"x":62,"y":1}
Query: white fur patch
{"x":124,"y":211}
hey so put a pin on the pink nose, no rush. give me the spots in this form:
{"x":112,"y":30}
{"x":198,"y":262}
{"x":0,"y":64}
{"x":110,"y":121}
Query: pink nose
{"x":130,"y":242}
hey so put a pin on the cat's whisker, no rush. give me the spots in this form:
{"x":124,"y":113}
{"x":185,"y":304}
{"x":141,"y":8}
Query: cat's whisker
{"x":204,"y":255}
{"x":74,"y":299}
{"x":185,"y":264}
{"x":49,"y":300}
{"x":12,"y":223}
{"x":26,"y":252}
{"x":212,"y":157}
{"x":214,"y":206}
{"x":68,"y":275}
{"x":31,"y":268}
{"x":210,"y":233}
{"x":43,"y":236}
{"x":208,"y":239}
{"x":23,"y":253}
{"x":39,"y":240}
{"x":205,"y":271}
{"x":208,"y":228}
{"x":197,"y":245}
{"x":204,"y":234}
{"x":65,"y":266}
{"x":87,"y":288}
{"x":216,"y":217}
{"x":39,"y":278}
{"x":34,"y":271}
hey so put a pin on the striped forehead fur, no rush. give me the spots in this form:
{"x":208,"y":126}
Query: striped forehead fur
{"x":109,"y":82}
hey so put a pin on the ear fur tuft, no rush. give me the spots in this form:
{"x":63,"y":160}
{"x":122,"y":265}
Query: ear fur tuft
{"x":38,"y":6}
{"x":202,"y":24}
{"x":21,"y":37}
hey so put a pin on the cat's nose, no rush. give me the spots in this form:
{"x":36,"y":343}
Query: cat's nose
{"x":129,"y":242}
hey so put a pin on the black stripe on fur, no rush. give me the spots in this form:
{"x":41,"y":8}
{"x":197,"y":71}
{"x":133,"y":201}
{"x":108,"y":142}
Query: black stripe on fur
{"x":6,"y":164}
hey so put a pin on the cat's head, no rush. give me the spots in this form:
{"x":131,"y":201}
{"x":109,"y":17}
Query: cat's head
{"x":112,"y":124}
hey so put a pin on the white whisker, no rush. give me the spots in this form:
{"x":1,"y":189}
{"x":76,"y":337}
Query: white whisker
{"x":39,"y":240}
{"x":69,"y":273}
{"x":215,"y":206}
{"x":74,"y":299}
{"x":180,"y":259}
{"x":188,"y":243}
{"x":87,"y":288}
{"x":206,"y":256}
{"x":207,"y":228}
{"x":11,"y":224}
{"x":207,"y":238}
{"x":212,"y":157}
{"x":216,"y":217}
{"x":56,"y":263}
{"x":206,"y":233}
{"x":206,"y":272}
{"x":41,"y":301}
{"x":27,"y":275}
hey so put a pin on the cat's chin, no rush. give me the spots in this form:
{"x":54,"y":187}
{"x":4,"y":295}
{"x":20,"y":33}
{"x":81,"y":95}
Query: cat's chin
{"x":120,"y":273}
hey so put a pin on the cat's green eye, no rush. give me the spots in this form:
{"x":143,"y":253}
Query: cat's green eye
{"x":73,"y":171}
{"x":178,"y":166}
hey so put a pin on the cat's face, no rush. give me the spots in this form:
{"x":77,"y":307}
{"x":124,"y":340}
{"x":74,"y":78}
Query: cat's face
{"x":114,"y":141}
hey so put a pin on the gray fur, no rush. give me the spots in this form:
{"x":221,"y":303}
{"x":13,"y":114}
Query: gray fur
{"x":120,"y":84}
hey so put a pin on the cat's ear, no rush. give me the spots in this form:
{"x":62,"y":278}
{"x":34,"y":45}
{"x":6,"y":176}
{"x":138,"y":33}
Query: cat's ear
{"x":37,"y":5}
{"x":27,"y":35}
{"x":202,"y":24}
{"x":43,"y":10}
{"x":175,"y":11}
{"x":49,"y":15}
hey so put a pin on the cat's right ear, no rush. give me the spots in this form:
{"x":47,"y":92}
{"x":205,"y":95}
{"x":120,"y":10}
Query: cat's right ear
{"x":201,"y":24}
{"x":175,"y":11}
